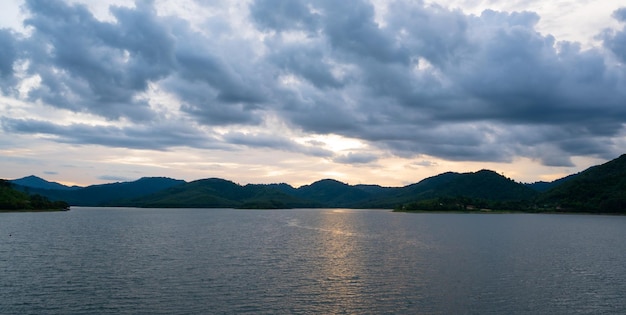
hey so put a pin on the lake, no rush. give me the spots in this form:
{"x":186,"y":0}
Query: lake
{"x":310,"y":261}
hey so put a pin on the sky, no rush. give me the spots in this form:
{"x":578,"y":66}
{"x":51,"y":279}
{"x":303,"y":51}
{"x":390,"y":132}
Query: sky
{"x":270,"y":91}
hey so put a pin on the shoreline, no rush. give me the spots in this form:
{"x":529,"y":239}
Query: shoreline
{"x":32,"y":210}
{"x":509,"y":212}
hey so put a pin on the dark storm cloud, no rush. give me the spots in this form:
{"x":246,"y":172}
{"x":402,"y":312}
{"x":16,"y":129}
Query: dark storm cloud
{"x":413,"y":79}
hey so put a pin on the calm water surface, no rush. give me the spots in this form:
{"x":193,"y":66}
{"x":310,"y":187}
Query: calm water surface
{"x":222,"y":261}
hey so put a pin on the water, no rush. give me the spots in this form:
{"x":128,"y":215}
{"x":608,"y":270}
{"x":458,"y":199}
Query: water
{"x":221,"y":261}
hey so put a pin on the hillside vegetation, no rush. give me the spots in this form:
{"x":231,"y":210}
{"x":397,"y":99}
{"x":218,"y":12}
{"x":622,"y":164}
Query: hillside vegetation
{"x":600,"y":188}
{"x":14,"y":200}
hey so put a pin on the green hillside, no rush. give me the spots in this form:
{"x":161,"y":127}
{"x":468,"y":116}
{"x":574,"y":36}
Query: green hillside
{"x":40,"y":183}
{"x":112,"y":194}
{"x":462,"y":191}
{"x":220,"y":193}
{"x":332,"y":193}
{"x":14,"y":200}
{"x":600,"y":188}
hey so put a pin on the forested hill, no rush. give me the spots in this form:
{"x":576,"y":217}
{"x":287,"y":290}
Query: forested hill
{"x":105,"y":194}
{"x":40,"y":183}
{"x":221,"y":193}
{"x":328,"y":193}
{"x":463,"y":191}
{"x":14,"y":200}
{"x":600,"y":188}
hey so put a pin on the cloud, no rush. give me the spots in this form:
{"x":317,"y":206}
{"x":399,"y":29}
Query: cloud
{"x":356,"y":158}
{"x":284,"y":15}
{"x":307,"y":63}
{"x":94,"y":66}
{"x":8,"y":56}
{"x":620,"y":14}
{"x":271,"y":141}
{"x":150,"y":137}
{"x":489,"y":70}
{"x":614,"y":40}
{"x":114,"y":178}
{"x":8,"y":53}
{"x":424,"y":163}
{"x":406,"y":78}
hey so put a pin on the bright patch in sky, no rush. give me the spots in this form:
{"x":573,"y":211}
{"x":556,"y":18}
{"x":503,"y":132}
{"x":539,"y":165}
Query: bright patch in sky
{"x":259,"y":91}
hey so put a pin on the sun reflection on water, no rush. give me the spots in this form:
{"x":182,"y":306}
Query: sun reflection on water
{"x":340,"y":261}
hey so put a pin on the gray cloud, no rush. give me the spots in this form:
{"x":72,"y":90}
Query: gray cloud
{"x":271,"y":141}
{"x":93,"y":66}
{"x":455,"y":72}
{"x":616,"y":40}
{"x":114,"y":178}
{"x":307,"y":63}
{"x":8,"y":53}
{"x":356,"y":158}
{"x":415,"y":79}
{"x":153,"y":137}
{"x":283,"y":15}
{"x":8,"y":56}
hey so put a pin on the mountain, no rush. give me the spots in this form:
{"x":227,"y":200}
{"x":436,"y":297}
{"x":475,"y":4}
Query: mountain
{"x":328,"y":193}
{"x":332,"y":193}
{"x":600,"y":188}
{"x":112,"y":194}
{"x":220,"y":193}
{"x":14,"y":200}
{"x":475,"y":187}
{"x":38,"y":182}
{"x":485,"y":189}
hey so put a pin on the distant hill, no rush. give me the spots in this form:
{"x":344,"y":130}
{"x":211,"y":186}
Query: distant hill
{"x":40,"y":183}
{"x":484,"y":187}
{"x":332,"y":193}
{"x":112,"y":194}
{"x":600,"y":188}
{"x":14,"y":200}
{"x":220,"y":193}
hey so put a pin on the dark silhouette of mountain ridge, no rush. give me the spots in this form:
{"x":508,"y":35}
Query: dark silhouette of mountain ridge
{"x":33,"y":181}
{"x":105,"y":194}
{"x":600,"y":188}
